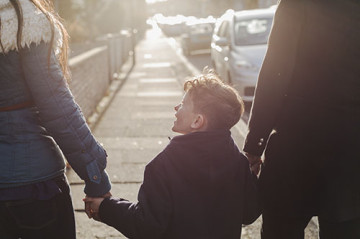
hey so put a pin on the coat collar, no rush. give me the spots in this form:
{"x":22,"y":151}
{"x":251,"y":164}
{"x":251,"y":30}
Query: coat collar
{"x":4,"y":4}
{"x":36,"y":27}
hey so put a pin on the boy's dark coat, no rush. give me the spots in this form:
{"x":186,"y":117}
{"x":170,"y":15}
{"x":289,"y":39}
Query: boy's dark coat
{"x":200,"y":186}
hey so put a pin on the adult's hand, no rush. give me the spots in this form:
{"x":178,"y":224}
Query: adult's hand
{"x":255,"y":163}
{"x":94,"y":205}
{"x":90,"y":212}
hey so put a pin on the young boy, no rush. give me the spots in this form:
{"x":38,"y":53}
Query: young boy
{"x":200,"y":185}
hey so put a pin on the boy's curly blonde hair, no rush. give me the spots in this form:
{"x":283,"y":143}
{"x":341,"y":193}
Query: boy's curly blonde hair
{"x":219,"y":102}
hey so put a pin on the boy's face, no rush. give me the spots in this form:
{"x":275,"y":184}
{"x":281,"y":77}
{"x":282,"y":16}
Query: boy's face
{"x":185,"y":116}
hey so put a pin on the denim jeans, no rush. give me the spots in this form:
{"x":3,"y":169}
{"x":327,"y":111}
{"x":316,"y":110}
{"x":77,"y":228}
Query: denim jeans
{"x":40,"y":219}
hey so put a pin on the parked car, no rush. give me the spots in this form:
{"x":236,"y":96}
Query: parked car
{"x":238,"y":47}
{"x":197,"y":36}
{"x":171,"y":25}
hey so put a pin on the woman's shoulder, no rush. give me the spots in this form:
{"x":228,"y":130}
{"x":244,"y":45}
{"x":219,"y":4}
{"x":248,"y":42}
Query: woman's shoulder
{"x":36,"y":26}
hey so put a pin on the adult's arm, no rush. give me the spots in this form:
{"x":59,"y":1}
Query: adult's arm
{"x":275,"y":74}
{"x":63,"y":119}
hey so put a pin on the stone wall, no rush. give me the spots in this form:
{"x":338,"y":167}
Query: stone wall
{"x":92,"y":71}
{"x":89,"y":78}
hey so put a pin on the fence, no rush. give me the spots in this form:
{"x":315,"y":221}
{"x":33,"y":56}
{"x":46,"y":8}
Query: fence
{"x":93,"y":70}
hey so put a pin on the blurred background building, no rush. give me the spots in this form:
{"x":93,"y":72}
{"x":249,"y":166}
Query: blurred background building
{"x":88,"y":19}
{"x":203,"y":8}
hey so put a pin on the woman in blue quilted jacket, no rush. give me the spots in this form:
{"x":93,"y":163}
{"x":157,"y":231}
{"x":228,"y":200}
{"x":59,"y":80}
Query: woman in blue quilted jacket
{"x":40,"y":126}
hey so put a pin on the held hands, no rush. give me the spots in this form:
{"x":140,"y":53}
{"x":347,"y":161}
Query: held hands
{"x":255,"y":163}
{"x":92,"y":205}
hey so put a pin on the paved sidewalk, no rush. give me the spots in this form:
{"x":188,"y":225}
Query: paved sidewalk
{"x":136,"y":127}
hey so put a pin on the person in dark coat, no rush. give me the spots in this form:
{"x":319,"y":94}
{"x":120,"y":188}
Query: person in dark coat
{"x":306,"y":117}
{"x":200,"y":185}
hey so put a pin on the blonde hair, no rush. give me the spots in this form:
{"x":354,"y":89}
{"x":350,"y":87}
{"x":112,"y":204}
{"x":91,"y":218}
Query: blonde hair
{"x":219,"y":102}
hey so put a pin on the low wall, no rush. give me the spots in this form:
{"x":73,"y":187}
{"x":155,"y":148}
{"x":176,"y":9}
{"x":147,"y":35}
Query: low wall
{"x":92,"y":71}
{"x":89,"y":78}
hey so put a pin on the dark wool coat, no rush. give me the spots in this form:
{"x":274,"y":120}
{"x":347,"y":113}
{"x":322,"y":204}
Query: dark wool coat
{"x":308,"y":101}
{"x":200,"y":186}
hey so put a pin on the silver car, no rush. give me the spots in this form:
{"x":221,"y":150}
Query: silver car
{"x":238,"y":47}
{"x":197,"y":36}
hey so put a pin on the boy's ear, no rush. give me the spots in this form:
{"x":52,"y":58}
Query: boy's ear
{"x":199,"y":122}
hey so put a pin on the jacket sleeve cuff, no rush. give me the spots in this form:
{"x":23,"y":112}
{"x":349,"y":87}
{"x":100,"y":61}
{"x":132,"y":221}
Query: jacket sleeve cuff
{"x":106,"y":210}
{"x":95,"y":188}
{"x":117,"y":212}
{"x":255,"y":145}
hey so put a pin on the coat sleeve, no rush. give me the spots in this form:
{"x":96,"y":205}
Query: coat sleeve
{"x":275,"y":74}
{"x":150,"y":216}
{"x":63,"y":119}
{"x":252,"y":206}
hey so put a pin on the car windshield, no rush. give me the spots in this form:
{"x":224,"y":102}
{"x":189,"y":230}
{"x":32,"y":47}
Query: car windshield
{"x":205,"y":28}
{"x":253,"y":31}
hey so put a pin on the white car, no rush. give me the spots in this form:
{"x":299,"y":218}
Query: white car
{"x":197,"y":36}
{"x":238,"y":47}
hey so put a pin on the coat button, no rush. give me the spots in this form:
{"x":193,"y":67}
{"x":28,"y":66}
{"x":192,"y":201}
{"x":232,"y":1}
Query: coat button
{"x":83,"y":151}
{"x":95,"y":177}
{"x":261,"y":141}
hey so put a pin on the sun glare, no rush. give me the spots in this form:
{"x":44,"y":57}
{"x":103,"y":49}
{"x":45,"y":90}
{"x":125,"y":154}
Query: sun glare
{"x":154,"y":1}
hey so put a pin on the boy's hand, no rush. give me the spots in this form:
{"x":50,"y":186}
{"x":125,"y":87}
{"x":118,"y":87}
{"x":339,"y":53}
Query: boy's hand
{"x":90,"y":212}
{"x":92,"y":207}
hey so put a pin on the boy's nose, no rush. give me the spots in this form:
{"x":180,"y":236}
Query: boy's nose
{"x":176,"y":107}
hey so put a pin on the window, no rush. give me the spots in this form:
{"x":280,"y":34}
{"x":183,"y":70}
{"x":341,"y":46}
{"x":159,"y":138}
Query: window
{"x":252,"y":31}
{"x":205,"y":28}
